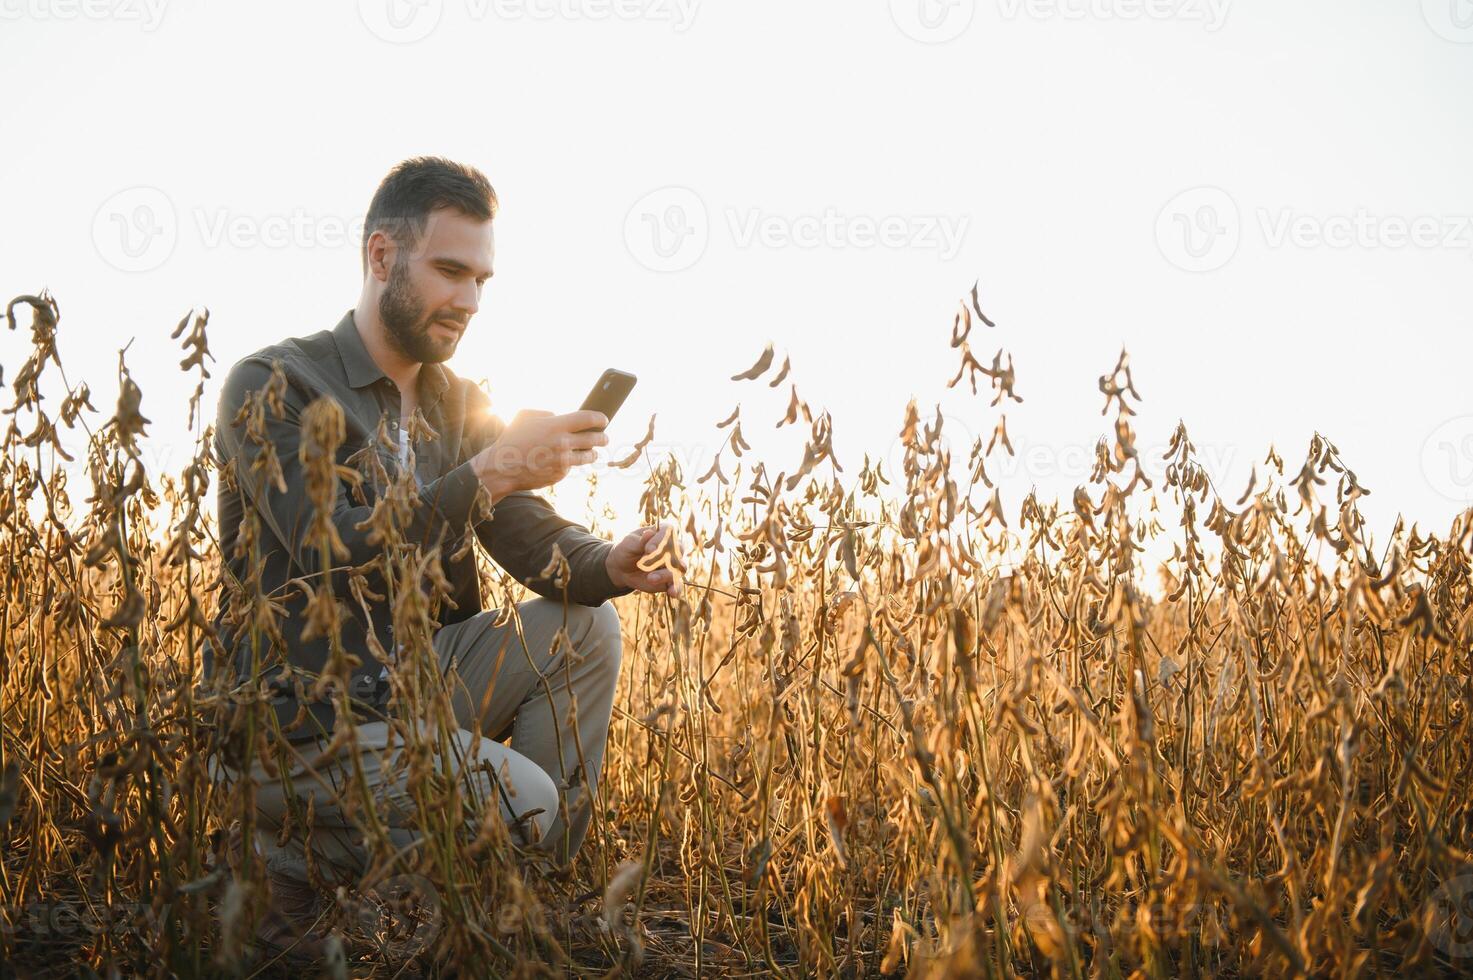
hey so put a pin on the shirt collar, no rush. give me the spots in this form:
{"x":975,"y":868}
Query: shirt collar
{"x":362,"y":370}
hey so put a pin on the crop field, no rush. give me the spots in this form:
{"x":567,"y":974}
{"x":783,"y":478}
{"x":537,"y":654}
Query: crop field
{"x":895,"y":724}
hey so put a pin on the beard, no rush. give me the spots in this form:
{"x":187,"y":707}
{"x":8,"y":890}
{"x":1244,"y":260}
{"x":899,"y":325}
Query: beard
{"x":410,"y":327}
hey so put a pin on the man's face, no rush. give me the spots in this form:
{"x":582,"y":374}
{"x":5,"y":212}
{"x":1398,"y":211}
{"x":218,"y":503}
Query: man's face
{"x":434,"y":288}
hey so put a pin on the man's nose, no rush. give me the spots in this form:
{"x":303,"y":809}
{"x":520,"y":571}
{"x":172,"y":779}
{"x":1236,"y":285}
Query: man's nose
{"x":468,"y":298}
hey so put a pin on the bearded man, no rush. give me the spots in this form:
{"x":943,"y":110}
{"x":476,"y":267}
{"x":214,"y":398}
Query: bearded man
{"x":427,"y":254}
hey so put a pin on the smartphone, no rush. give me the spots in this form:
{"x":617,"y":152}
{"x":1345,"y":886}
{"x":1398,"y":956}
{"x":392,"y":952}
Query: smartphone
{"x":608,"y":393}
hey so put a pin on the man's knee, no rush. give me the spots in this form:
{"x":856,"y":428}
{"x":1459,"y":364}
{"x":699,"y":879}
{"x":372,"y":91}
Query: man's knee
{"x":593,"y":630}
{"x":531,"y":791}
{"x":602,"y":638}
{"x":605,"y":622}
{"x":513,"y":782}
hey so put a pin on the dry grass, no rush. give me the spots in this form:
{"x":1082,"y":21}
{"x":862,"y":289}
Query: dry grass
{"x":862,"y":743}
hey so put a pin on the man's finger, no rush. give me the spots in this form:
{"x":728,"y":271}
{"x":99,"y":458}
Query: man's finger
{"x":661,"y":581}
{"x":587,"y":440}
{"x":583,"y":419}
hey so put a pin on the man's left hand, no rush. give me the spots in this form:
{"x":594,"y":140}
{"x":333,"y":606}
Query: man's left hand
{"x":625,"y":558}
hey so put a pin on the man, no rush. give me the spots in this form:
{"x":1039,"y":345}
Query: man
{"x":427,"y":255}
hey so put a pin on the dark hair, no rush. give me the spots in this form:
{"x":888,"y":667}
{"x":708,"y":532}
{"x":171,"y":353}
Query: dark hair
{"x":402,"y":204}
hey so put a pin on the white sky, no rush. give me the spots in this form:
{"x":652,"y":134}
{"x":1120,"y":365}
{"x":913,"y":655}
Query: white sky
{"x":1061,"y":147}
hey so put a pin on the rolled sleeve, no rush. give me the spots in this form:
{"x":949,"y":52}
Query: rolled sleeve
{"x":520,"y":535}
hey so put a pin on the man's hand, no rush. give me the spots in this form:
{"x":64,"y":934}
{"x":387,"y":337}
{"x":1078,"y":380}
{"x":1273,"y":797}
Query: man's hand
{"x":649,"y":559}
{"x":537,"y":449}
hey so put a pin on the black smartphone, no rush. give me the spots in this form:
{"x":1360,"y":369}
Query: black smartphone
{"x":608,"y":393}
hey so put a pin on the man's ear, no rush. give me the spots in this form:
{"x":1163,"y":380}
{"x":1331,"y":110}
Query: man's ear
{"x":380,"y":255}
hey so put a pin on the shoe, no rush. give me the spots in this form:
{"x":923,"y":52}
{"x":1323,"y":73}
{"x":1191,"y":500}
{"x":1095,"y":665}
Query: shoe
{"x":294,"y":926}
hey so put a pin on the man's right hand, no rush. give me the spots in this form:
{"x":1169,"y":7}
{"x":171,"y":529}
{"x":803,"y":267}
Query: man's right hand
{"x":537,"y":449}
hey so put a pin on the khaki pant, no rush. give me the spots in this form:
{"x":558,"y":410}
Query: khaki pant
{"x":501,"y":687}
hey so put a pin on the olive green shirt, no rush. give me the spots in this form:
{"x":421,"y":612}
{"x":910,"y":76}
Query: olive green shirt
{"x":519,"y":534}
